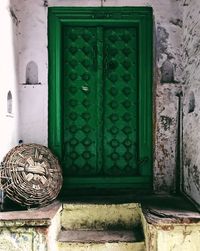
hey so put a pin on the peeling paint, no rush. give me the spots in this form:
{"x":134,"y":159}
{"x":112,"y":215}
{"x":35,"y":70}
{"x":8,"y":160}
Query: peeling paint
{"x":191,"y":108}
{"x":176,"y":21}
{"x":166,"y":122}
{"x":162,"y":41}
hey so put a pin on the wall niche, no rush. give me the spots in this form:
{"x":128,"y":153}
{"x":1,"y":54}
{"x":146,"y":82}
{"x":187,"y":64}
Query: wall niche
{"x":32,"y":73}
{"x":9,"y":104}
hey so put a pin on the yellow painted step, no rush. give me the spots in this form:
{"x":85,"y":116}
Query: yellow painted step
{"x":84,"y":240}
{"x":100,"y":216}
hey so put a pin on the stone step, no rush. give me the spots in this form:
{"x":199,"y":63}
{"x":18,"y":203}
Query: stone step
{"x":100,"y":216}
{"x":101,"y":240}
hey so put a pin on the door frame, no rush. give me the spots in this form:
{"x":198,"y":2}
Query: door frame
{"x":140,"y":17}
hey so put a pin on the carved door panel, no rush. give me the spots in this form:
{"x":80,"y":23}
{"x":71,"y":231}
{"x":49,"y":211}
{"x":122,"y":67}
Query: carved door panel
{"x":120,"y":110}
{"x":99,"y":101}
{"x":80,"y":109}
{"x":100,"y":96}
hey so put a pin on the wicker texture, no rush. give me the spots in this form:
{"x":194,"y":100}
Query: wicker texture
{"x":31,"y":175}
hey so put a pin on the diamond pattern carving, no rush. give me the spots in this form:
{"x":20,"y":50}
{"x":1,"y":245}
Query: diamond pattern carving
{"x":100,"y":118}
{"x":79,"y":97}
{"x":120,"y":127}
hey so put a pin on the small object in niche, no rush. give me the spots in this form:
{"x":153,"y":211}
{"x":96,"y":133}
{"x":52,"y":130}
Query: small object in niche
{"x":33,"y":175}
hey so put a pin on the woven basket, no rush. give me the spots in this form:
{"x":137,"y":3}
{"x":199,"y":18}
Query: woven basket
{"x":31,"y":175}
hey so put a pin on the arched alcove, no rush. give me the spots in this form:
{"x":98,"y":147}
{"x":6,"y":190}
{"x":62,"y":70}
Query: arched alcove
{"x":31,"y":73}
{"x":9,"y":102}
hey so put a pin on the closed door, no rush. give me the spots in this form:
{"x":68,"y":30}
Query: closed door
{"x":100,"y":101}
{"x":100,"y":105}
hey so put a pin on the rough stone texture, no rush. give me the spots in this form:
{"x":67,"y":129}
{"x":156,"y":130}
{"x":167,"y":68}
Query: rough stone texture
{"x":31,"y":18}
{"x":191,"y":119}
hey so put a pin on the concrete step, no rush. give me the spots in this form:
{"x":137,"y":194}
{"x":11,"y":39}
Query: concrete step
{"x":100,"y":216}
{"x":101,"y":240}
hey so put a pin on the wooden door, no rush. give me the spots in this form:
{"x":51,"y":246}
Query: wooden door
{"x":101,"y":111}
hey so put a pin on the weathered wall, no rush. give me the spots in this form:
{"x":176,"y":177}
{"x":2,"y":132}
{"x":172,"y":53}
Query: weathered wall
{"x":8,"y":82}
{"x":21,"y":239}
{"x":173,"y":237}
{"x":191,"y":119}
{"x":32,"y":37}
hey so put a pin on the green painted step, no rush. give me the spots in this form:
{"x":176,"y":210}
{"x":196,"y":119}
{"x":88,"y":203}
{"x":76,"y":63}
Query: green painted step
{"x":100,"y":216}
{"x":100,"y":240}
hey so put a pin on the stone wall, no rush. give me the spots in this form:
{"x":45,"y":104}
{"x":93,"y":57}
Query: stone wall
{"x":8,"y":81}
{"x":33,"y":89}
{"x":191,"y":118}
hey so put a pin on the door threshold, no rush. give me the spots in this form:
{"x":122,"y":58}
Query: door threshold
{"x":108,"y":196}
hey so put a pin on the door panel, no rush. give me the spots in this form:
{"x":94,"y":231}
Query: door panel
{"x":120,"y":102}
{"x":100,"y":101}
{"x":79,"y":95}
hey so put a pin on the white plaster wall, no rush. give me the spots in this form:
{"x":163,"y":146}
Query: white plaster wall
{"x":32,"y":46}
{"x":8,"y":81}
{"x":191,"y":121}
{"x":32,"y":39}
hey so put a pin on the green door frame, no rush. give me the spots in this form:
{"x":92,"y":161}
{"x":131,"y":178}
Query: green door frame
{"x":140,"y":17}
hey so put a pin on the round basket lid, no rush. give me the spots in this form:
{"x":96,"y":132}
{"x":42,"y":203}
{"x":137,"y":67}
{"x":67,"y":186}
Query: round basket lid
{"x":31,"y":175}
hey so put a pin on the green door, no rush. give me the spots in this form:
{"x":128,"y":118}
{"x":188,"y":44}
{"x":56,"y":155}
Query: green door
{"x":101,"y":103}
